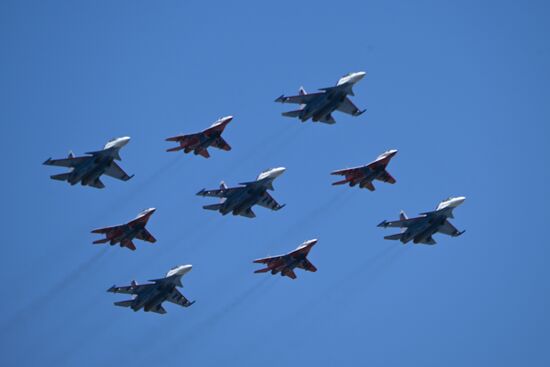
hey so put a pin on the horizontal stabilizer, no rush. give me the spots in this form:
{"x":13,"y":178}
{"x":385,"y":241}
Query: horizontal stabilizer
{"x":341,"y":182}
{"x":61,"y":176}
{"x":295,"y":113}
{"x":396,"y":236}
{"x":175,"y":149}
{"x":264,"y":270}
{"x":127,"y":303}
{"x":213,"y":206}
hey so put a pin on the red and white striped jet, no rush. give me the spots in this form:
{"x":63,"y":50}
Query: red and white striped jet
{"x":199,"y":142}
{"x":125,"y":233}
{"x":364,"y":175}
{"x":285,"y":264}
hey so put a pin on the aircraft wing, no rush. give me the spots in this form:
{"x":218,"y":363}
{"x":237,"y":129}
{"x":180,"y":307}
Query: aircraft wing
{"x":386,"y":177}
{"x":179,"y":299}
{"x":108,"y":229}
{"x":299,"y":99}
{"x":115,"y":171}
{"x":130,"y":289}
{"x":354,"y":171}
{"x":189,"y":138}
{"x":67,"y":162}
{"x":402,"y":222}
{"x":220,"y":143}
{"x":269,"y":260}
{"x":448,"y":229}
{"x":145,"y":235}
{"x":348,"y":107}
{"x":267,"y":201}
{"x":220,"y":193}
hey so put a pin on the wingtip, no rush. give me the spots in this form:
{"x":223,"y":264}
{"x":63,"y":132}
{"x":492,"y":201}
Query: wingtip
{"x":361,"y":112}
{"x":281,"y":98}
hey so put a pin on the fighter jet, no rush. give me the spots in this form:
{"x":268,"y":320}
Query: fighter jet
{"x":125,"y":233}
{"x":364,"y":175}
{"x":421,"y":229}
{"x":150,"y":296}
{"x":198,"y":142}
{"x":319,"y":106}
{"x":239,"y":200}
{"x":88,"y":169}
{"x":285,"y":264}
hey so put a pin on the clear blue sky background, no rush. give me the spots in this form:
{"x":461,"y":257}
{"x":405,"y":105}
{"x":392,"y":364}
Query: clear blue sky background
{"x":460,"y":88}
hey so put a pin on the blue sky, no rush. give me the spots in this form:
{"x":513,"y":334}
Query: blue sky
{"x":461,"y":89}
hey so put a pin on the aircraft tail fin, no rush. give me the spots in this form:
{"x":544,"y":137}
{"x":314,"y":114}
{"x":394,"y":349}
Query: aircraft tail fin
{"x":295,"y":113}
{"x":213,"y":206}
{"x":61,"y":176}
{"x":302,"y":91}
{"x":403,"y":216}
{"x":127,"y":303}
{"x":396,"y":236}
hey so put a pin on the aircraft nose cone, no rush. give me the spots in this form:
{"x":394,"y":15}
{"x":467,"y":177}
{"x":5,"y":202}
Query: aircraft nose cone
{"x":358,"y":76}
{"x":278,"y":171}
{"x":123,"y":141}
{"x":186,"y":268}
{"x":459,"y":200}
{"x":311,"y":242}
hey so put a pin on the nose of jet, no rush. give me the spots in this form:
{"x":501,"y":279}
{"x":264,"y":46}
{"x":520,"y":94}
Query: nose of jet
{"x":311,"y":242}
{"x":150,"y":211}
{"x":355,"y":77}
{"x":226,"y":119}
{"x":458,"y":200}
{"x":120,"y":142}
{"x":276,"y":172}
{"x":184,"y":269}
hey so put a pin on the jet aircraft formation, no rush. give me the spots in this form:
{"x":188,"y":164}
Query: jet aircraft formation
{"x":239,"y":200}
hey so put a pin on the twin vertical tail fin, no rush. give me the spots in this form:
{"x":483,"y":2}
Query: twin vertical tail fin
{"x":223,"y":186}
{"x":403,"y":216}
{"x":302,"y":91}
